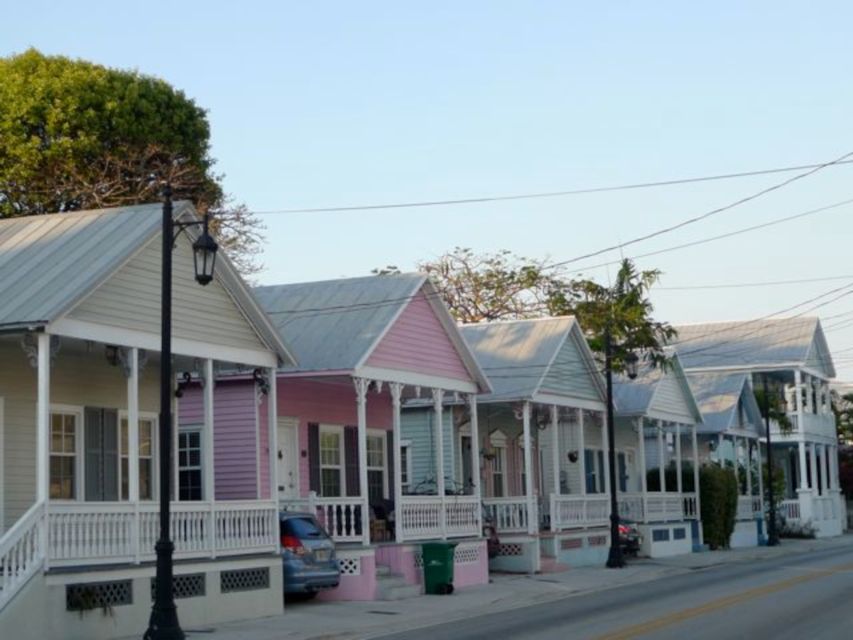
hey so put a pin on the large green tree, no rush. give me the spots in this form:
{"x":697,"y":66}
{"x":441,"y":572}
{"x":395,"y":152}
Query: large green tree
{"x":76,"y":135}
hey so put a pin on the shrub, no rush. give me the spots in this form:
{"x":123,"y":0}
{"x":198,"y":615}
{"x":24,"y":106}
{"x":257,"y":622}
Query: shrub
{"x":718,"y":491}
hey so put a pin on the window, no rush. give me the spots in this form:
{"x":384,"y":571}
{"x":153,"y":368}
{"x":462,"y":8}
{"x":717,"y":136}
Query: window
{"x":146,"y":460}
{"x":63,"y":456}
{"x":499,"y":472}
{"x":375,"y":468}
{"x":405,"y":466}
{"x":594,"y":463}
{"x":189,"y":465}
{"x":331,"y":464}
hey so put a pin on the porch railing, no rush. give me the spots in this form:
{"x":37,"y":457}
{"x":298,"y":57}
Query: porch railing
{"x":420,"y":517}
{"x":21,"y":552}
{"x":570,"y":512}
{"x":343,"y":518}
{"x":510,"y":515}
{"x":101,"y":533}
{"x":790,"y":509}
{"x":691,"y":510}
{"x":664,"y":508}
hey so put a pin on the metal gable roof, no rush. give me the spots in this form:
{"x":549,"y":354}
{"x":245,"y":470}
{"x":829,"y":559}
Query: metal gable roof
{"x":517,"y":354}
{"x":331,"y":325}
{"x":754,"y":344}
{"x":718,"y":395}
{"x":637,"y":397}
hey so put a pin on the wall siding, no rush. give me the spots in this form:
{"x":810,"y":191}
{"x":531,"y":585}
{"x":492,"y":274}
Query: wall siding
{"x":671,"y":399}
{"x":131,"y":299}
{"x":570,"y":376}
{"x":418,"y":342}
{"x":417,"y":427}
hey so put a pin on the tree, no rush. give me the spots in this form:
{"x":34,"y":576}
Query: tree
{"x":842,"y":407}
{"x":76,"y":135}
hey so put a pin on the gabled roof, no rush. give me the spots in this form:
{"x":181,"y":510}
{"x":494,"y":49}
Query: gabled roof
{"x":642,"y":396}
{"x":517,"y":355}
{"x":755,"y":345}
{"x":719,"y":395}
{"x":334,"y":325}
{"x":50,"y":263}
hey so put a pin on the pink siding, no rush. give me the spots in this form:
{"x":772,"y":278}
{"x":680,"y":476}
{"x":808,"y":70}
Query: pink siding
{"x":331,"y":402}
{"x":235,"y":432}
{"x":418,"y":342}
{"x":264,"y":447}
{"x":469,"y":574}
{"x":358,"y":588}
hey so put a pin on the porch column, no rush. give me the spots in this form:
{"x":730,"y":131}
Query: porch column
{"x":43,"y":420}
{"x":813,"y":467}
{"x":605,"y":446}
{"x":735,"y":462}
{"x":827,"y":483}
{"x":807,"y":383}
{"x":833,"y":470}
{"x":695,"y":444}
{"x":475,"y":457}
{"x":532,"y":520}
{"x":361,"y":385}
{"x":272,"y":431}
{"x":720,"y":460}
{"x":678,"y":481}
{"x":133,"y":447}
{"x":396,"y":390}
{"x":760,"y":471}
{"x":747,"y":445}
{"x":208,"y":474}
{"x":641,"y":455}
{"x":555,"y":449}
{"x":661,"y":474}
{"x":582,"y":451}
{"x":438,"y":407}
{"x":804,"y":481}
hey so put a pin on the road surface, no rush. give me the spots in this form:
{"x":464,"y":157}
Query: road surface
{"x":800,"y":597}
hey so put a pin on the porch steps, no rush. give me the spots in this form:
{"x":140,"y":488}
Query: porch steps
{"x":393,"y":586}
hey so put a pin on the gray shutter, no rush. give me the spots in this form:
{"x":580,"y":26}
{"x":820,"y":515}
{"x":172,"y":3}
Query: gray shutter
{"x":92,"y":440}
{"x":109,"y":457}
{"x":389,"y":441}
{"x":314,"y":457}
{"x":351,"y":459}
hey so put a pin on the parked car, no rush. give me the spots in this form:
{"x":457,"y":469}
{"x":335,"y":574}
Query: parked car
{"x":629,"y":537}
{"x":307,"y":554}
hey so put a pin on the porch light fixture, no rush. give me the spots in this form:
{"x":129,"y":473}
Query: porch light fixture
{"x":573,"y":456}
{"x":261,"y":381}
{"x":111,"y":352}
{"x":631,"y":362}
{"x":163,"y":623}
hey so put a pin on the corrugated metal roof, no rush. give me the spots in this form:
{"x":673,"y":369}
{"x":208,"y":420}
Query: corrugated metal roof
{"x":635,"y":397}
{"x":331,"y":325}
{"x":47,"y":263}
{"x":515,"y":355}
{"x":754,"y":344}
{"x":717,"y":395}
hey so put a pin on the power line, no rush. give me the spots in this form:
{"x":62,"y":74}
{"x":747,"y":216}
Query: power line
{"x":547,"y":194}
{"x":743,"y":285}
{"x":707,"y":214}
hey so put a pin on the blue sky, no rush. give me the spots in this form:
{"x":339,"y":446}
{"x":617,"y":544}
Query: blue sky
{"x":338,"y":103}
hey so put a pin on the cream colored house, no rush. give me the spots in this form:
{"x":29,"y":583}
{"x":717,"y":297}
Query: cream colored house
{"x":79,"y":340}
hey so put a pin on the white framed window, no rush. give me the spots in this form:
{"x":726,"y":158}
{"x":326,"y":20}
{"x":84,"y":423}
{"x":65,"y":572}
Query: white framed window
{"x":405,"y":465}
{"x":66,"y":447}
{"x":376,"y":468}
{"x":190,"y":478}
{"x":498,"y":441}
{"x":594,"y":466}
{"x":332,"y":476}
{"x":147,"y":431}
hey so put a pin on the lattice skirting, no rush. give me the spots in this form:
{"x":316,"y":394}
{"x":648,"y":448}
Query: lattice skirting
{"x":350,"y":566}
{"x":244,"y":579}
{"x":510,"y":549}
{"x":190,"y":585}
{"x":465,"y":553}
{"x":98,"y":595}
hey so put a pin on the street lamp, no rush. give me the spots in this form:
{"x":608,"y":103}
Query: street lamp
{"x":772,"y":535}
{"x":614,"y":558}
{"x":163,"y":623}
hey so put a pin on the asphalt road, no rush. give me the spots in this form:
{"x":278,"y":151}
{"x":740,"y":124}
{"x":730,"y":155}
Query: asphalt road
{"x":799,"y":597}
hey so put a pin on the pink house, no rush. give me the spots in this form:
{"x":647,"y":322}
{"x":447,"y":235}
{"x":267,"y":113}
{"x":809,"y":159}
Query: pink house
{"x":366,"y":347}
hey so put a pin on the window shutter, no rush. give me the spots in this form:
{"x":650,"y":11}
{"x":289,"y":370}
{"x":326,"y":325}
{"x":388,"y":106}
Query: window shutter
{"x":93,"y":454}
{"x":109,"y":425}
{"x":314,"y":457}
{"x":351,"y":460}
{"x":389,"y":442}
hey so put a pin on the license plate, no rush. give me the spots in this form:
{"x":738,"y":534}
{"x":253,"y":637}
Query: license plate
{"x":322,"y":555}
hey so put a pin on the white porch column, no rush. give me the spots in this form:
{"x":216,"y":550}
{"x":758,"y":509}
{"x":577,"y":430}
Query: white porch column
{"x":804,"y":481}
{"x":720,"y":459}
{"x":827,"y":479}
{"x":760,"y":472}
{"x":695,"y":444}
{"x":641,"y":455}
{"x":807,"y":383}
{"x":396,"y":390}
{"x":438,"y":407}
{"x":661,"y":456}
{"x":833,"y":467}
{"x":748,"y":447}
{"x":43,"y":420}
{"x":582,"y":451}
{"x":272,"y":431}
{"x":133,"y":446}
{"x":361,"y":385}
{"x":813,"y":467}
{"x":555,"y":448}
{"x":532,"y":520}
{"x":678,"y":457}
{"x":475,"y":457}
{"x":605,"y":445}
{"x":208,"y":474}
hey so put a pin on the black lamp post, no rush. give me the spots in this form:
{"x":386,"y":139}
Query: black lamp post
{"x":163,"y":623}
{"x":614,"y":558}
{"x":772,"y":535}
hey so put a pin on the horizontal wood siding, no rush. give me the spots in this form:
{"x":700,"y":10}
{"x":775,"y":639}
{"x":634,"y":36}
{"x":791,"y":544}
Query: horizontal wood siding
{"x":570,"y":375}
{"x":131,"y":299}
{"x":671,"y":398}
{"x":417,"y":427}
{"x":418,"y":342}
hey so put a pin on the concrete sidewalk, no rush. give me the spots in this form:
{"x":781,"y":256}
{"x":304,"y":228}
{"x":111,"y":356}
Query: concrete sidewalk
{"x":350,"y":620}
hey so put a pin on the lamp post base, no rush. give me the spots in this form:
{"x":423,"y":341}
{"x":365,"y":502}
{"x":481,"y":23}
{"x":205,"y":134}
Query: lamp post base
{"x":163,"y":623}
{"x":615,"y":559}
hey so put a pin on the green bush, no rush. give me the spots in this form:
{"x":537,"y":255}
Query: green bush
{"x":718,"y":492}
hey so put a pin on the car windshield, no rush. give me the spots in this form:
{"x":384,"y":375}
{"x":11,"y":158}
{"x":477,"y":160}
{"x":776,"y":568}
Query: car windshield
{"x":301,"y":528}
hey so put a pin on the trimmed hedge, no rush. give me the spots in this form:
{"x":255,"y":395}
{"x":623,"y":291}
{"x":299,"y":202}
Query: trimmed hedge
{"x":718,"y":492}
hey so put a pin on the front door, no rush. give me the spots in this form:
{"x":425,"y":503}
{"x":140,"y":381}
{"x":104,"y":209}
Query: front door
{"x":288,"y":459}
{"x":465,"y":454}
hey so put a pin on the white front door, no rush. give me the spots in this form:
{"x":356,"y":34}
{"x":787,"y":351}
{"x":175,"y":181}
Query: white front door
{"x":288,"y":458}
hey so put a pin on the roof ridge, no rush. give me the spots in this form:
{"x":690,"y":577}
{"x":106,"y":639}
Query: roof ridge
{"x":518,"y":321}
{"x":406,"y":274}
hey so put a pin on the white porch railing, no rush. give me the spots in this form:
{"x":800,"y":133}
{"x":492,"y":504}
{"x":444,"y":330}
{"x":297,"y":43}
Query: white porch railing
{"x":102,"y":533}
{"x":420,"y":517}
{"x":691,"y":511}
{"x":664,"y":508}
{"x":570,"y":512}
{"x":21,"y":552}
{"x":462,"y":517}
{"x":509,"y":514}
{"x":744,"y":508}
{"x":342,"y":518}
{"x":790,"y":509}
{"x":631,"y":506}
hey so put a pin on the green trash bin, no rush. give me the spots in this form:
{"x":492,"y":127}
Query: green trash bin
{"x":438,"y":567}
